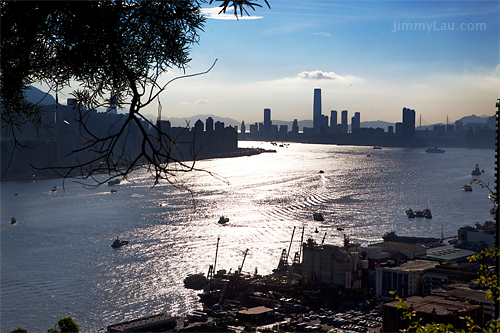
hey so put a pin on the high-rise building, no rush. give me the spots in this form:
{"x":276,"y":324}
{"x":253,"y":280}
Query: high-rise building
{"x":355,"y":121}
{"x":295,"y":126}
{"x":268,"y":124}
{"x":209,"y":124}
{"x":343,"y":121}
{"x":333,"y":119}
{"x":408,"y":126}
{"x":317,"y":103}
{"x":243,"y":127}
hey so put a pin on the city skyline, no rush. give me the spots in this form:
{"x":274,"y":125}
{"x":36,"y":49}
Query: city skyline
{"x":368,"y":57}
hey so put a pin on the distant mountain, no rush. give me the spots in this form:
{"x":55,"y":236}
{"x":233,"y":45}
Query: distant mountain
{"x":35,"y":95}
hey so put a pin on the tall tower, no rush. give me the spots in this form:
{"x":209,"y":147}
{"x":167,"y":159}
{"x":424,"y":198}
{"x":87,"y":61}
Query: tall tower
{"x":333,"y":119}
{"x":316,"y":108}
{"x":355,"y":121}
{"x":317,"y":103}
{"x":267,"y":121}
{"x":343,"y":121}
{"x":408,"y":126}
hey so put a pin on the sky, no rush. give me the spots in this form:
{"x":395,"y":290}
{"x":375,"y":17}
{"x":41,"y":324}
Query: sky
{"x":440,"y":58}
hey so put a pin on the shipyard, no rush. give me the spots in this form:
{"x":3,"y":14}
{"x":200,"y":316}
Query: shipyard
{"x":331,"y":288}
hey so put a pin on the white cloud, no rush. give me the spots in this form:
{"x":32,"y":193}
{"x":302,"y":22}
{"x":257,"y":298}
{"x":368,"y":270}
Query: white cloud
{"x":198,"y":102}
{"x":323,"y":34}
{"x":213,"y":13}
{"x":320,"y":75}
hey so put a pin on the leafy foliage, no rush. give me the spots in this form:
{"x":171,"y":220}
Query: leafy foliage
{"x":116,"y":51}
{"x":65,"y":325}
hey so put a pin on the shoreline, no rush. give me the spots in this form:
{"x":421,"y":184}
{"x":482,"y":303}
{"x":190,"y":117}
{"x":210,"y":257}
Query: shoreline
{"x":50,"y":174}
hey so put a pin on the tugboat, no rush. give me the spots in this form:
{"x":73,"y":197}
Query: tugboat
{"x":476,"y":171}
{"x":118,"y":243}
{"x":195,"y":281}
{"x":318,"y":217}
{"x":427,"y":213}
{"x":434,"y":150}
{"x":223,"y":219}
{"x":467,"y":188}
{"x":410,"y":213}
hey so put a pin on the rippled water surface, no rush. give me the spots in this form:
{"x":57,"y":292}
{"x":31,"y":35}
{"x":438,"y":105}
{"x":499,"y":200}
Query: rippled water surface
{"x":57,"y":260}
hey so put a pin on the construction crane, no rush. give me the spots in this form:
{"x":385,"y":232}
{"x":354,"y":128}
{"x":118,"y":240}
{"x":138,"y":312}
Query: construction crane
{"x":323,"y":241}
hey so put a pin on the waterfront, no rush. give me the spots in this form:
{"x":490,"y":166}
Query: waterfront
{"x":57,"y":260}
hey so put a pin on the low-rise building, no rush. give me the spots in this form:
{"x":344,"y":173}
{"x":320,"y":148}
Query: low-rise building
{"x":405,"y":280}
{"x":430,"y":309}
{"x":333,"y":265}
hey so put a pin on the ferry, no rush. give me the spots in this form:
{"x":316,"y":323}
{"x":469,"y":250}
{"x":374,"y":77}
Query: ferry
{"x":467,"y":188}
{"x":434,"y":150}
{"x":476,"y":171}
{"x":118,"y":243}
{"x":223,"y":219}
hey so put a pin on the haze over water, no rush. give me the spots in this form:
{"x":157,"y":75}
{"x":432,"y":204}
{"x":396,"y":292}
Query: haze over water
{"x":57,"y":260}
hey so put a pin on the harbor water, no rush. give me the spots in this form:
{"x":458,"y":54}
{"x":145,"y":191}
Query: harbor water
{"x":56,"y":261}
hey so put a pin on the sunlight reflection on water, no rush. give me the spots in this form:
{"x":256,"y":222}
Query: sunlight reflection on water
{"x":59,"y":253}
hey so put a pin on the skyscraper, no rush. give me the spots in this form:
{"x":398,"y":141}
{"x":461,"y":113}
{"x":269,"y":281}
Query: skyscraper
{"x":343,"y":121}
{"x":408,"y":126}
{"x":317,"y":103}
{"x":333,"y":119}
{"x":209,"y":124}
{"x":267,"y":121}
{"x":355,"y":121}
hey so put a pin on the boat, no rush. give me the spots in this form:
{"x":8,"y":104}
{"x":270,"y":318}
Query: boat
{"x":113,"y":182}
{"x":223,"y":219}
{"x":318,"y":217}
{"x":195,"y":281}
{"x":13,"y":220}
{"x":427,"y":213}
{"x":340,"y":228}
{"x":419,"y":213}
{"x":410,"y":213}
{"x":493,"y":210}
{"x":392,"y":237}
{"x":434,"y":150}
{"x":467,"y":188}
{"x":377,"y":147}
{"x":316,"y":231}
{"x":118,"y":243}
{"x":476,"y":171}
{"x":321,"y":171}
{"x":114,"y":191}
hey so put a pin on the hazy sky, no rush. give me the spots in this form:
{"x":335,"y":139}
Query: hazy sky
{"x":440,"y":58}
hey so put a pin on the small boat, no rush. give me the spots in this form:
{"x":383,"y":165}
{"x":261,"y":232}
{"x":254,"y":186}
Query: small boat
{"x":316,"y":231}
{"x":340,"y":228}
{"x":321,"y":171}
{"x":223,"y":219}
{"x":113,"y":182}
{"x":13,"y":220}
{"x":434,"y":150}
{"x":318,"y":217}
{"x":476,"y":171}
{"x":114,"y":191}
{"x":195,"y":281}
{"x":54,"y":189}
{"x":377,"y":147}
{"x":427,"y":213}
{"x":118,"y":243}
{"x":368,"y":155}
{"x":410,"y":213}
{"x":467,"y":188}
{"x":419,"y":213}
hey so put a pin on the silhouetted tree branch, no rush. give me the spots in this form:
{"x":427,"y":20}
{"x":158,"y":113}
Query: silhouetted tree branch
{"x":116,"y":52}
